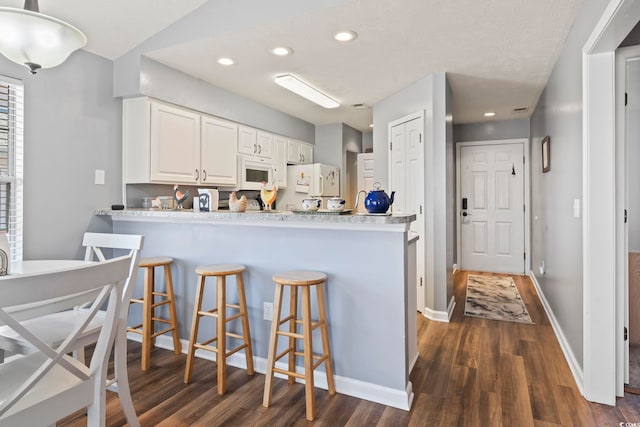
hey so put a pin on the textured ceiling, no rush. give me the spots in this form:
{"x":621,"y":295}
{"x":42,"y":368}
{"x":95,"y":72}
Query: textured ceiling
{"x":497,"y":54}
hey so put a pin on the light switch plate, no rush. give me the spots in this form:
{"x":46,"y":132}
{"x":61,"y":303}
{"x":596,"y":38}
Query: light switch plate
{"x":267,"y":310}
{"x":576,"y":208}
{"x":99,"y":177}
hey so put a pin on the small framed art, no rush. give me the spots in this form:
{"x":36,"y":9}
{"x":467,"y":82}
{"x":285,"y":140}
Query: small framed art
{"x":546,"y":154}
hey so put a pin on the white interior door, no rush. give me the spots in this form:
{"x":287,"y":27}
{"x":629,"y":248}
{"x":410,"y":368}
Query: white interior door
{"x":492,"y":225}
{"x":407,"y":180}
{"x":365,"y":176}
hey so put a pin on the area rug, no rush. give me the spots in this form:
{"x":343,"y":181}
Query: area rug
{"x":634,"y":369}
{"x":495,"y":298}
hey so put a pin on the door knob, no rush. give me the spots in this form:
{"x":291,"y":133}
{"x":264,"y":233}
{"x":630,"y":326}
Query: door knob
{"x":465,"y":214}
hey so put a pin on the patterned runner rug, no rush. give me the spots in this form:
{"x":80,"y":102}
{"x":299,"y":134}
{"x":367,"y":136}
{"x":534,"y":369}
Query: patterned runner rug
{"x":495,"y":298}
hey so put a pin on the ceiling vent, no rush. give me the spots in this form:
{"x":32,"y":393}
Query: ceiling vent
{"x":521,"y":110}
{"x":360,"y":106}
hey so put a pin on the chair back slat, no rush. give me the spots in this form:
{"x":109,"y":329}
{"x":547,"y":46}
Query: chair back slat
{"x":102,"y":282}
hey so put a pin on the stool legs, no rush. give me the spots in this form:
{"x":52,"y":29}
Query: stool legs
{"x":173,"y":317}
{"x":273,"y":345}
{"x":221,"y":334}
{"x":195,"y":322}
{"x":308,"y":354}
{"x":311,"y":361}
{"x":220,"y":313}
{"x":245,"y":323}
{"x":147,"y":316}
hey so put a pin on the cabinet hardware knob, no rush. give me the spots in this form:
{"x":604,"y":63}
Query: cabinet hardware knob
{"x":259,"y":149}
{"x":204,"y":175}
{"x":255,"y":148}
{"x":197,"y":177}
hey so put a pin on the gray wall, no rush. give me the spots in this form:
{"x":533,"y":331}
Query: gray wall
{"x":351,"y":143}
{"x":170,"y":85}
{"x":328,"y":148}
{"x":72,"y":127}
{"x":450,"y":195}
{"x":430,"y":95}
{"x":367,"y":141}
{"x":556,"y":234}
{"x":486,"y":131}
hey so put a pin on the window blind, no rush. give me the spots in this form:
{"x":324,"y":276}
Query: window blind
{"x":11,"y":162}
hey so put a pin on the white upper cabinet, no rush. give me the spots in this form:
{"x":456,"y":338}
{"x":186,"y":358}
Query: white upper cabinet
{"x":219,"y":139}
{"x":175,"y":144}
{"x":255,"y":142}
{"x":299,"y":152}
{"x":163,"y":143}
{"x":280,"y":160}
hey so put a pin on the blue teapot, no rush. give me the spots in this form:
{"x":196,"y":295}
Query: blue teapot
{"x":377,"y":201}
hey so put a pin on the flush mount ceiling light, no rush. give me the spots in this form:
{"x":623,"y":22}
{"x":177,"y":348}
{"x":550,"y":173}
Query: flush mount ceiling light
{"x":225,"y":61}
{"x":489,"y":114}
{"x":282,"y":51}
{"x":35,"y":40}
{"x":305,"y":90}
{"x":345,"y":36}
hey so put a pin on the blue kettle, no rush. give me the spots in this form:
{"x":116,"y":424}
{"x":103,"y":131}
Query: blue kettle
{"x":377,"y":201}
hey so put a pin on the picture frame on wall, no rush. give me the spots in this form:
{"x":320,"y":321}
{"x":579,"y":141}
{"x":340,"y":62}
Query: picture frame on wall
{"x":546,"y":154}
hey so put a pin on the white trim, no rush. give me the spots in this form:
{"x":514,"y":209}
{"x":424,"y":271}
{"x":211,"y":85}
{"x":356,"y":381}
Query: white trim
{"x":401,"y":399}
{"x":576,"y":370}
{"x":600,"y":302}
{"x":527,"y":195}
{"x":441,"y":316}
{"x":623,"y":57}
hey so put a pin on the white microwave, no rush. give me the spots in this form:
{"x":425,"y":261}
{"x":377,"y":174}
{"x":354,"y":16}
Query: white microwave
{"x":253,"y":172}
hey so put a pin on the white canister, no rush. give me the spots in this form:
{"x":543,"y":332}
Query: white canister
{"x":209,"y":199}
{"x":5,"y":254}
{"x":196,"y":204}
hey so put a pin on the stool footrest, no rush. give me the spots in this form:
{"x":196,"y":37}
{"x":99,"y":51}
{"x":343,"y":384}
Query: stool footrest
{"x":314,"y":325}
{"x":160,"y":303}
{"x":284,"y":353}
{"x":315,"y":356}
{"x":290,"y":334}
{"x":161,"y":320}
{"x":135,"y":330}
{"x":286,"y":319}
{"x":320,"y":360}
{"x":234,"y":317}
{"x":285,"y":372}
{"x":209,"y":341}
{"x":240,"y":347}
{"x":164,"y":331}
{"x":164,"y":294}
{"x":136,"y":301}
{"x":206,"y":347}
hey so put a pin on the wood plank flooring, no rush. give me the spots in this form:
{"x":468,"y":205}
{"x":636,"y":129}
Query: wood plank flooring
{"x":471,"y":372}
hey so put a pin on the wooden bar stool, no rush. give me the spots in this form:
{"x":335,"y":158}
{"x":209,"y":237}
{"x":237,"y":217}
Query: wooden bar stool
{"x":295,"y":280}
{"x":220,"y":272}
{"x":149,"y":304}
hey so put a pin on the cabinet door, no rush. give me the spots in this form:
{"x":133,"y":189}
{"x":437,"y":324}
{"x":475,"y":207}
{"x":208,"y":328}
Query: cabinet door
{"x":293,"y":152}
{"x":280,"y":161}
{"x":247,"y":142}
{"x":175,"y":144}
{"x":265,"y":144}
{"x":306,"y":153}
{"x":218,"y":147}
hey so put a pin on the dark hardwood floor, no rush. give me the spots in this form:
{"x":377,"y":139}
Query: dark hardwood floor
{"x":471,"y":372}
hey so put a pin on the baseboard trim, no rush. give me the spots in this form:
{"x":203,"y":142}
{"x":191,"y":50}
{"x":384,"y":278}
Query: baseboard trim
{"x":574,"y":366}
{"x":349,"y":386}
{"x":440,"y":316}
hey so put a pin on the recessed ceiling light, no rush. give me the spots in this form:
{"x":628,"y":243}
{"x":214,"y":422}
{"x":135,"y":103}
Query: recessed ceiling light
{"x":489,"y":114}
{"x":305,"y":90}
{"x":282,"y":51}
{"x":345,"y":36}
{"x":225,"y":61}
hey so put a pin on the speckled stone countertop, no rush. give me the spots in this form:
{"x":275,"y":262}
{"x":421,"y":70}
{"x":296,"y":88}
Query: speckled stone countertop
{"x":263,"y":218}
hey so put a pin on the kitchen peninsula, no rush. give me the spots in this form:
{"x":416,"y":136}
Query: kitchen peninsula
{"x":369,"y":261}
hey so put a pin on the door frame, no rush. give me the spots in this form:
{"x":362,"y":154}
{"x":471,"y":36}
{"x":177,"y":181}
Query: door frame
{"x":603,"y":299}
{"x":527,"y":195}
{"x":623,"y":56}
{"x":422,"y":240}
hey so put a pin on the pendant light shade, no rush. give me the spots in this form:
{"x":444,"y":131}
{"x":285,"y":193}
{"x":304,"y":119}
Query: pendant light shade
{"x":30,"y":38}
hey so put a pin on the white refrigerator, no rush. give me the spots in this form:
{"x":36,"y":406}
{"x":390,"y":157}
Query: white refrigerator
{"x":305,"y":181}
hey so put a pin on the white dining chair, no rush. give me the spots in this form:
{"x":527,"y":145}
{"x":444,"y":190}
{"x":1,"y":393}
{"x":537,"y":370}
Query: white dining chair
{"x":53,"y":327}
{"x":47,"y":384}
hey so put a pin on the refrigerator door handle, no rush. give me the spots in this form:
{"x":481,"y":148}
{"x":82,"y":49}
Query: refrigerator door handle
{"x":321,"y":185}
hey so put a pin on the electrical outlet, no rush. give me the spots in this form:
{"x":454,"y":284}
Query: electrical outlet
{"x":99,"y":177}
{"x":267,"y":310}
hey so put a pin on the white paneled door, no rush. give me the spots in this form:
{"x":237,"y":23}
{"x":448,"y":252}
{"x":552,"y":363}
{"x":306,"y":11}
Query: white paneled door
{"x":492,"y":208}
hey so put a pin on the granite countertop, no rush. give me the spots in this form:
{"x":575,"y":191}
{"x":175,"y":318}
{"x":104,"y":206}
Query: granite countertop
{"x":265,"y":217}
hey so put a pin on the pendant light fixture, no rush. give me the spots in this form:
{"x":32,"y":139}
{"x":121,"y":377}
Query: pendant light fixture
{"x":35,"y":40}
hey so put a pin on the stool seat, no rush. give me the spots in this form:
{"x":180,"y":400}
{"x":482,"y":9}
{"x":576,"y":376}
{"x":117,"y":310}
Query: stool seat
{"x":300,"y":278}
{"x":220,"y":269}
{"x":154,"y":261}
